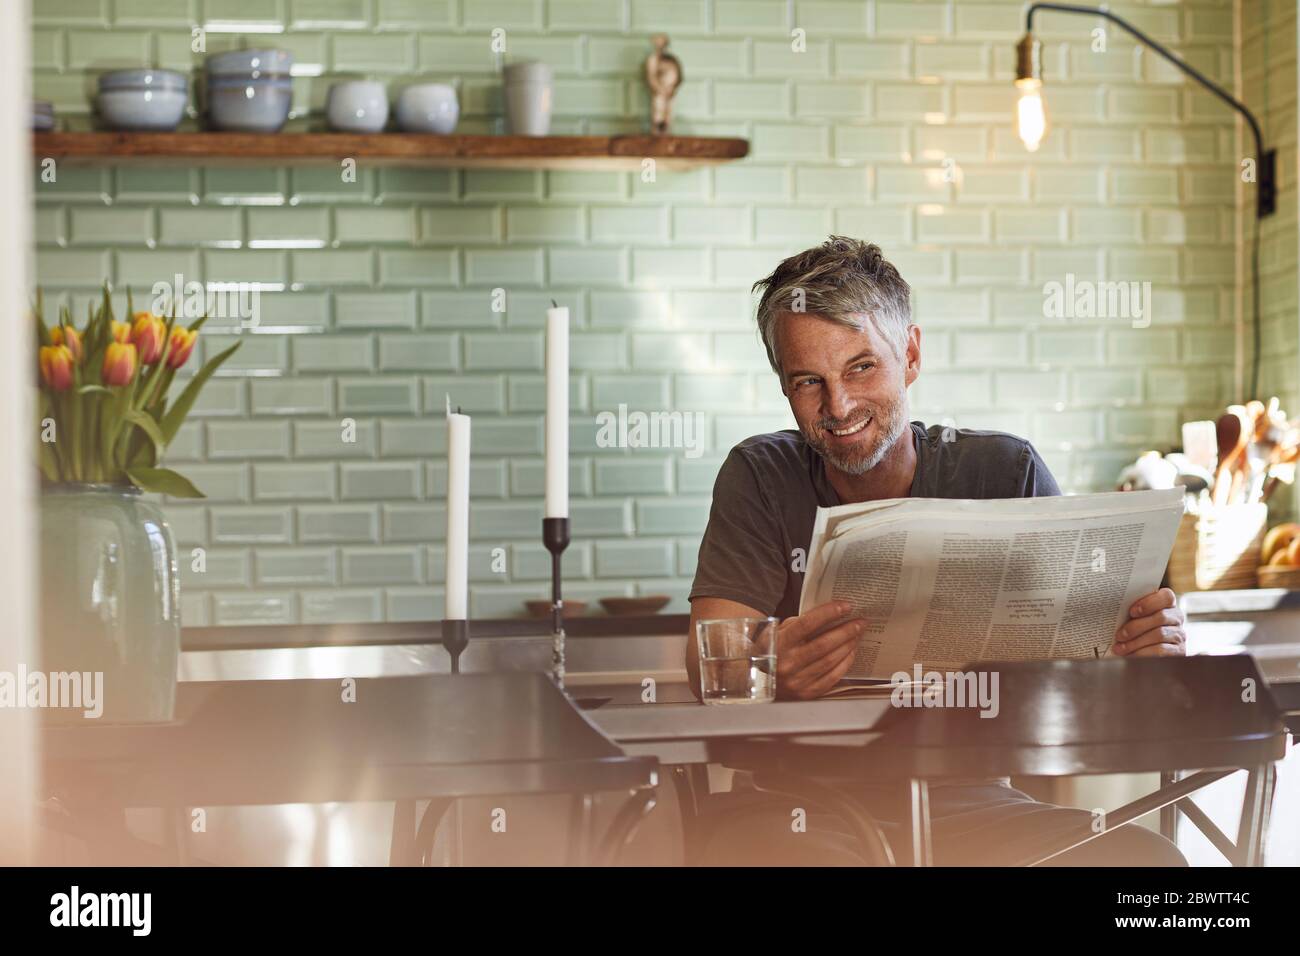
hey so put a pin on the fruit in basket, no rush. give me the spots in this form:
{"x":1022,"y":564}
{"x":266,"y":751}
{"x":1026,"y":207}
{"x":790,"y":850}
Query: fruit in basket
{"x":1283,"y":540}
{"x":1286,"y":558}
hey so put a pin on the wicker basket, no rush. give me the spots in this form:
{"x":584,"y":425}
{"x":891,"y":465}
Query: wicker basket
{"x":1279,"y":577}
{"x":1218,"y":549}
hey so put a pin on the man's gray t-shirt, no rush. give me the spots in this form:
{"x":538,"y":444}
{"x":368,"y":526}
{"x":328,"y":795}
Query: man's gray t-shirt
{"x":767,"y":492}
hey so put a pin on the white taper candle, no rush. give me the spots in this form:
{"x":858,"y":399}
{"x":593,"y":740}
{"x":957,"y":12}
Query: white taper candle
{"x":557,"y":412}
{"x":457,"y":580}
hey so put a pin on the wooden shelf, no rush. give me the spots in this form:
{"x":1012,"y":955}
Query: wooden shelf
{"x":394,"y":149}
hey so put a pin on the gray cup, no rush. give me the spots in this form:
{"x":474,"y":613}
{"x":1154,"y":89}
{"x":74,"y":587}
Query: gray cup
{"x":529,"y":94}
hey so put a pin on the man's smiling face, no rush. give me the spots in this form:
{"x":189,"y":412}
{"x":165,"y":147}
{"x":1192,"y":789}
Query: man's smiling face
{"x":847,"y":387}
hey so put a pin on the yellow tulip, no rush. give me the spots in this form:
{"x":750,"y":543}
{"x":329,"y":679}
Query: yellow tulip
{"x":67,"y":335}
{"x":121,"y":332}
{"x":119,"y":364}
{"x":56,"y":367}
{"x":182,"y":345}
{"x":148,"y":334}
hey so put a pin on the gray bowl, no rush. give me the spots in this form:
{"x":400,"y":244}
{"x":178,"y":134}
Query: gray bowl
{"x":251,"y":106}
{"x":143,"y":80}
{"x":142,"y":109}
{"x":239,"y":82}
{"x":250,"y":63}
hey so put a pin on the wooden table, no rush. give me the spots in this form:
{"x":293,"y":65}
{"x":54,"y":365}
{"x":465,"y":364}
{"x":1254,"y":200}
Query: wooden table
{"x":1056,"y":718}
{"x":401,"y":739}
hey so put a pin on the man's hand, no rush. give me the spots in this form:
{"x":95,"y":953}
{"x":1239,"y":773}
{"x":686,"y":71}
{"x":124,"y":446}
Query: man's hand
{"x":1154,"y":628}
{"x":814,"y":650}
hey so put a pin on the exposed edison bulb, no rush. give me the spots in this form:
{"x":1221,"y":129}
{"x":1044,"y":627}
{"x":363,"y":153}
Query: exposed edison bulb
{"x":1031,"y":114}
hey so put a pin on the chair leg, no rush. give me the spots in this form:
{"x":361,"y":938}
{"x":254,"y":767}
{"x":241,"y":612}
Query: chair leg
{"x":871,"y":839}
{"x":1211,"y":832}
{"x":922,"y":839}
{"x":580,"y":814}
{"x":1169,"y":814}
{"x":399,"y":845}
{"x":1125,"y":815}
{"x":684,"y":784}
{"x":1266,"y":808}
{"x":620,"y":831}
{"x":422,"y":848}
{"x":177,"y":822}
{"x":1256,"y":804}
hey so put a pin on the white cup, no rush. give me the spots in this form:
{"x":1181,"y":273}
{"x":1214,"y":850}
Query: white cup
{"x":357,"y":106}
{"x":428,"y":108}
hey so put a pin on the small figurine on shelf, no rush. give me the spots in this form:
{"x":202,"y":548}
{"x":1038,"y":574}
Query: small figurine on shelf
{"x":663,"y":74}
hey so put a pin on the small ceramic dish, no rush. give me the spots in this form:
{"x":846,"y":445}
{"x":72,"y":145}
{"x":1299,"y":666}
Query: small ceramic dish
{"x":650,"y":604}
{"x":543,"y":608}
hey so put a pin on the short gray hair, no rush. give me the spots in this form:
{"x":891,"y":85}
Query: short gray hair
{"x":840,"y":280}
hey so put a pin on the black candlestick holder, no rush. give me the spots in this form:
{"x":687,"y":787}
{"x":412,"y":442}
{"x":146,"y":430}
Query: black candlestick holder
{"x":455,"y":638}
{"x":555,"y":535}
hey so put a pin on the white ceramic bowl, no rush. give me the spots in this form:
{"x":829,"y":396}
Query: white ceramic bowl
{"x":428,"y":108}
{"x":157,"y":110}
{"x":357,"y":106}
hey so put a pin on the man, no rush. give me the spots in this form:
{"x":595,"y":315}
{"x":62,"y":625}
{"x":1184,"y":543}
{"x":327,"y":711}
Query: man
{"x":836,"y":321}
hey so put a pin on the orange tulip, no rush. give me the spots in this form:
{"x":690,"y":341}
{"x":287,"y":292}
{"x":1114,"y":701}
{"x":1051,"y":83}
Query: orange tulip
{"x":56,"y":367}
{"x":121,"y":332}
{"x":182,"y":345}
{"x":119,"y":364}
{"x":67,"y":335}
{"x":148,"y":335}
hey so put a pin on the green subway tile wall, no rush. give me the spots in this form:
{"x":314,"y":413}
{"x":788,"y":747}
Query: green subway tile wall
{"x":321,"y":445}
{"x":1269,"y":87}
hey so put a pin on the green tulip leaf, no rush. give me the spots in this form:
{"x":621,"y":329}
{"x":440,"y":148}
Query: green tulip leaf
{"x":175,"y":416}
{"x":163,"y":481}
{"x":147,"y":425}
{"x":145,"y":456}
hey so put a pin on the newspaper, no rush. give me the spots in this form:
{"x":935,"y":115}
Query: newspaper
{"x":946,"y":582}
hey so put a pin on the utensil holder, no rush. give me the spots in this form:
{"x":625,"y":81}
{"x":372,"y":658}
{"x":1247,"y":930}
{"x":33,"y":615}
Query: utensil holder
{"x":1218,"y":549}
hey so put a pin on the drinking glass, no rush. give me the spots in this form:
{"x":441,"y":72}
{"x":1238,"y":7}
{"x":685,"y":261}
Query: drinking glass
{"x":737,"y":660}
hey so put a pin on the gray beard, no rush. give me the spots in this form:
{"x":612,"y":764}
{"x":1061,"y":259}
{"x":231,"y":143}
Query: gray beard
{"x":891,"y":422}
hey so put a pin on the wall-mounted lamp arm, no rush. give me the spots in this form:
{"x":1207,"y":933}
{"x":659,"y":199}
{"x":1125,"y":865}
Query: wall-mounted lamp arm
{"x":1267,"y":161}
